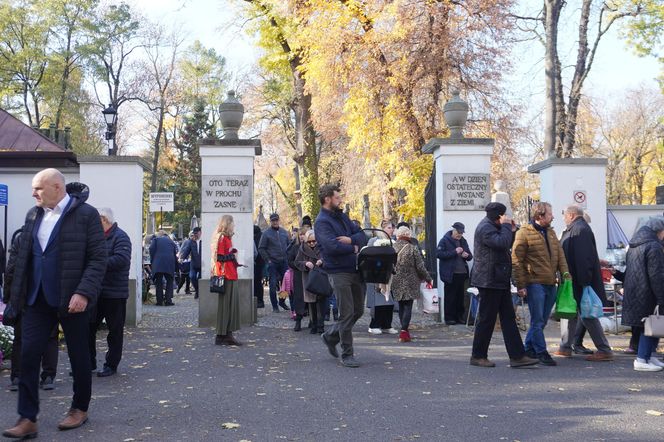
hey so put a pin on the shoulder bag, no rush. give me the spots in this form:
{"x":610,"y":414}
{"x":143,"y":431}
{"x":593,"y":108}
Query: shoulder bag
{"x":318,"y":282}
{"x":653,"y":325}
{"x":218,"y":282}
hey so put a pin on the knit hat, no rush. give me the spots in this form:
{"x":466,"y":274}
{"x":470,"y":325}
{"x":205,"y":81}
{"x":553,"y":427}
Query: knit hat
{"x":495,"y":210}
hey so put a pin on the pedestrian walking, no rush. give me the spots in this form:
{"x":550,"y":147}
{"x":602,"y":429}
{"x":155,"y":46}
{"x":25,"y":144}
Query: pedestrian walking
{"x":538,"y":263}
{"x":307,"y":258}
{"x":298,"y":302}
{"x":340,"y":241}
{"x":163,"y":260}
{"x":59,"y":270}
{"x":644,"y":284}
{"x":272,"y":247}
{"x":112,"y":303}
{"x":410,"y":272}
{"x":224,"y":263}
{"x":191,"y":251}
{"x":578,"y":242}
{"x":453,"y":256}
{"x":185,"y":268}
{"x":491,"y":275}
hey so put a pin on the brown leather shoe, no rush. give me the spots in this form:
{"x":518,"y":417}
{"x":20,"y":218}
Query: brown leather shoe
{"x":563,"y":353}
{"x":600,"y":356}
{"x":74,"y":419}
{"x":482,"y":362}
{"x":523,"y":361}
{"x":24,"y":429}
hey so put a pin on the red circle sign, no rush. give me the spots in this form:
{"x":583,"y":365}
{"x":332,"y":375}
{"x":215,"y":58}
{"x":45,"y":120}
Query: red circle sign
{"x":579,"y":197}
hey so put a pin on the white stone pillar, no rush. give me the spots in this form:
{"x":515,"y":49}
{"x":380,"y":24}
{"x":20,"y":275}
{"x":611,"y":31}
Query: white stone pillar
{"x":227,"y":188}
{"x":463,"y":187}
{"x":117,"y":182}
{"x":582,"y":181}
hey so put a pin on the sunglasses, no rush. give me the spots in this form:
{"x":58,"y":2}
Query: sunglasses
{"x":311,"y":242}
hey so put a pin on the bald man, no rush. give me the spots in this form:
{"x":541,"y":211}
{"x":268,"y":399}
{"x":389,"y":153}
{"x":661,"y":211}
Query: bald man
{"x":59,"y":270}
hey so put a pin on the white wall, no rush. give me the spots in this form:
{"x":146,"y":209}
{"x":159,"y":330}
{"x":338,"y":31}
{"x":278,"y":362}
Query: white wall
{"x":628,"y":216}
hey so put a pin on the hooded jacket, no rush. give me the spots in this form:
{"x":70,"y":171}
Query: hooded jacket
{"x":644,"y":277}
{"x":81,"y":248}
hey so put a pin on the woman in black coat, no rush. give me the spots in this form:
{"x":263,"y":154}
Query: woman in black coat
{"x":297,"y":297}
{"x":644,"y":287}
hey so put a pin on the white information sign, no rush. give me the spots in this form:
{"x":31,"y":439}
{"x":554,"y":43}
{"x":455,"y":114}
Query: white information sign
{"x":227,"y":193}
{"x":466,"y":191}
{"x":161,"y":201}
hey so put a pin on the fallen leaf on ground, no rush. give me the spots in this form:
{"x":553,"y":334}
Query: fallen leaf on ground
{"x":654,"y":412}
{"x":230,"y":425}
{"x":168,"y":350}
{"x":633,"y":389}
{"x":482,"y":415}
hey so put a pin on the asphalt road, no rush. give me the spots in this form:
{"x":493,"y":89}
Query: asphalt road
{"x":174,"y":384}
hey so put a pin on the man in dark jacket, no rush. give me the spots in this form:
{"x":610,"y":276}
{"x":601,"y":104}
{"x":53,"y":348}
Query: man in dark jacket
{"x":340,"y":241}
{"x":259,"y":263}
{"x":580,"y":249}
{"x":59,"y":270}
{"x":272,"y":247}
{"x":192,"y":250}
{"x":453,"y":254}
{"x":163,"y":260}
{"x":491,"y":275}
{"x":112,"y":304}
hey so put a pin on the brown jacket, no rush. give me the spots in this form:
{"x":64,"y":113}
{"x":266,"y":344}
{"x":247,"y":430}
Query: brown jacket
{"x":531,"y":261}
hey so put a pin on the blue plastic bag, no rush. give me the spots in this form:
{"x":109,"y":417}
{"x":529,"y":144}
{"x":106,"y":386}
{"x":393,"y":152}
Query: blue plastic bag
{"x":591,"y":305}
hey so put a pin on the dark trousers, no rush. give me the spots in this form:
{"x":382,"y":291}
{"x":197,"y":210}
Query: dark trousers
{"x":258,"y":283}
{"x":49,"y":360}
{"x":636,"y":337}
{"x":382,"y":317}
{"x":38,"y":322}
{"x":320,"y":307}
{"x":454,"y":296}
{"x":184,"y":278}
{"x":405,"y":313}
{"x":493,"y":303}
{"x":277,"y":270}
{"x":194,"y":276}
{"x":159,"y":287}
{"x":350,"y":298}
{"x":114,"y":311}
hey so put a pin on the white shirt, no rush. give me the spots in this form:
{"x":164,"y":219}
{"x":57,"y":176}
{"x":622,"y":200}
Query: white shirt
{"x":50,"y":219}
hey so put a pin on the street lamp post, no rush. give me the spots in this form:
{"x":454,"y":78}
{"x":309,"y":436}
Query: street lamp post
{"x":111,"y":118}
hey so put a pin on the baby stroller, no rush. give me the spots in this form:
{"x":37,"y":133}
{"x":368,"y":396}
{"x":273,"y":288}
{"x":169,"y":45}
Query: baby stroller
{"x":376,"y":263}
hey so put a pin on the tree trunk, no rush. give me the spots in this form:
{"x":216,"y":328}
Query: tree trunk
{"x":155,"y":158}
{"x":551,"y":72}
{"x":64,"y":81}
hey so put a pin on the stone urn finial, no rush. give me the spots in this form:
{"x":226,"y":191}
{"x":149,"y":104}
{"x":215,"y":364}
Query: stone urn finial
{"x":231,"y":115}
{"x":456,"y":114}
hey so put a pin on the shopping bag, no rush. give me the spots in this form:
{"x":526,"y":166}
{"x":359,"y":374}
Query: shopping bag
{"x":429,"y":299}
{"x":591,"y":305}
{"x":565,"y":302}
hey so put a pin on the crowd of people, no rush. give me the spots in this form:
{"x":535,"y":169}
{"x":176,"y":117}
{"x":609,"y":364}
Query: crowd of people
{"x":69,"y":266}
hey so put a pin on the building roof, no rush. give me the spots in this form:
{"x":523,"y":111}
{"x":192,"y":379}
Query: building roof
{"x":18,"y":136}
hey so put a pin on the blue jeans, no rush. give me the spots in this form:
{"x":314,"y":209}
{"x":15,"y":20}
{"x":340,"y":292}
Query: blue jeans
{"x":647,"y":345}
{"x":541,"y":298}
{"x":194,"y":276}
{"x":277,"y":270}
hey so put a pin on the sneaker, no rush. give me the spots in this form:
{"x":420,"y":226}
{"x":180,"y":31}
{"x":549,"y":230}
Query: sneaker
{"x":47,"y":384}
{"x":581,"y":350}
{"x":349,"y":361}
{"x":390,"y":331}
{"x":656,"y":362}
{"x":639,"y":365}
{"x":375,"y":331}
{"x":563,"y":353}
{"x":482,"y":362}
{"x":546,"y":359}
{"x":600,"y":356}
{"x":523,"y":361}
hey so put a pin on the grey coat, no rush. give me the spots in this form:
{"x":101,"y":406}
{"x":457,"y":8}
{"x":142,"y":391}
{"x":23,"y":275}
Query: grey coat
{"x":493,"y":260}
{"x":644,"y":277}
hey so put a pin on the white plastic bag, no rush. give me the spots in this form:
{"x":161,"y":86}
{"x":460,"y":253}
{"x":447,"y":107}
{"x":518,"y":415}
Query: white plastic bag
{"x":429,"y":299}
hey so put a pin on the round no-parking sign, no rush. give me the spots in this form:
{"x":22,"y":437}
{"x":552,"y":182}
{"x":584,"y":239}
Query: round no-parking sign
{"x":580,"y":198}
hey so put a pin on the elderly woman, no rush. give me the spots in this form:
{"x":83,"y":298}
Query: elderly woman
{"x":224,"y":262}
{"x":410,"y":272}
{"x":297,"y":301}
{"x":307,"y":258}
{"x":644,"y":283}
{"x":379,"y":300}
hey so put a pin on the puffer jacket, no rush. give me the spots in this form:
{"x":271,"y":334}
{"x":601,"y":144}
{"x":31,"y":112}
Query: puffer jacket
{"x":493,"y":261}
{"x":532,"y":261}
{"x":116,"y":279}
{"x":644,"y":277}
{"x":82,"y":250}
{"x":410,"y":272}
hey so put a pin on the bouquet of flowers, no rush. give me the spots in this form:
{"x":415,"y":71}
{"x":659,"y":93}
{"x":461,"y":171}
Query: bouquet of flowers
{"x":382,"y":242}
{"x":6,"y":341}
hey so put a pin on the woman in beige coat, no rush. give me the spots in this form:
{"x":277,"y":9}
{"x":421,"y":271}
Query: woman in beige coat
{"x":410,"y":272}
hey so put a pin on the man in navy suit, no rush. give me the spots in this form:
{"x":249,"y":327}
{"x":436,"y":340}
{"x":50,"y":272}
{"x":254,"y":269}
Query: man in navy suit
{"x":60,"y":266}
{"x":192,"y":250}
{"x":163,"y":260}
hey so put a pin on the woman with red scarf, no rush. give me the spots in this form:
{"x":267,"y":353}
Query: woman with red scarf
{"x":224,"y":263}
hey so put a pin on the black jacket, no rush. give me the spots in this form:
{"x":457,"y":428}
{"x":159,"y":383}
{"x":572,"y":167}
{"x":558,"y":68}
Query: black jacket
{"x":11,"y":266}
{"x":447,"y":256}
{"x":116,"y":279}
{"x":578,"y":242}
{"x":190,"y":250}
{"x":644,"y":277}
{"x":82,"y":251}
{"x":492,"y":268}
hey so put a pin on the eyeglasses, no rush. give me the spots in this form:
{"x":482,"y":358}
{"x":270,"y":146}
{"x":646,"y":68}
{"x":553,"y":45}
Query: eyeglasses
{"x":311,"y":242}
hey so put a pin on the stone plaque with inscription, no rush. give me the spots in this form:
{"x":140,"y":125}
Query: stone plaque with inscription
{"x":466,"y":191}
{"x":227,"y":193}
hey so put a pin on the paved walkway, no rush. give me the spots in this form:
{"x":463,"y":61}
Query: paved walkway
{"x":174,"y":384}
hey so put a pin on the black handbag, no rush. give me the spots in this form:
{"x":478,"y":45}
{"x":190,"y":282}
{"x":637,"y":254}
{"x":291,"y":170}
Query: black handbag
{"x":218,"y":284}
{"x":9,"y":316}
{"x":318,"y":283}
